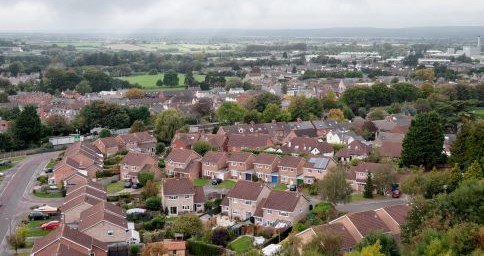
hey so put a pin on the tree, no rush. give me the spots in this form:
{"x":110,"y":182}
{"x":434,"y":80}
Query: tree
{"x":336,"y":114}
{"x":150,"y":189}
{"x":153,"y":203}
{"x":324,"y":243}
{"x":369,"y":250}
{"x":167,"y":123}
{"x":329,"y":100}
{"x":389,"y":246}
{"x":334,"y":187}
{"x":233,"y":82}
{"x":383,"y":178}
{"x":27,"y":128}
{"x":230,"y":112}
{"x":3,"y":97}
{"x":423,"y":142}
{"x":291,"y":245}
{"x":18,"y":238}
{"x":102,"y":114}
{"x":15,"y":68}
{"x":271,"y":112}
{"x":83,"y":87}
{"x":220,"y":236}
{"x":159,"y":82}
{"x":474,"y":171}
{"x":294,"y":70}
{"x":188,"y":225}
{"x":202,"y":147}
{"x":369,"y":187}
{"x":137,"y":126}
{"x":160,"y":147}
{"x":134,"y":93}
{"x":190,"y":79}
{"x":252,"y":116}
{"x":261,"y":101}
{"x":455,"y":176}
{"x":144,"y":176}
{"x":58,"y":124}
{"x":170,"y":78}
{"x":105,"y":133}
{"x":425,"y":74}
{"x":469,"y":144}
{"x":377,"y":114}
{"x":153,"y":249}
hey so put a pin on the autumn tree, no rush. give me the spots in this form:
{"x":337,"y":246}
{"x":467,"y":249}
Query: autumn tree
{"x":153,"y":249}
{"x":336,"y":114}
{"x":134,"y":93}
{"x":137,"y":126}
{"x":425,"y":74}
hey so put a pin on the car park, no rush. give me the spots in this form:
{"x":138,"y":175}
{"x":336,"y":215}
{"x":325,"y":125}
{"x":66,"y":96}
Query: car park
{"x":37,"y":216}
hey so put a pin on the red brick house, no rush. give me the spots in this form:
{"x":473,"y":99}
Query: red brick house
{"x":355,"y":150}
{"x":240,"y":165}
{"x":108,"y":146}
{"x":238,"y":143}
{"x":135,"y":162}
{"x":291,"y":169}
{"x":183,"y":163}
{"x":214,"y":165}
{"x":138,"y":142}
{"x":266,"y":167}
{"x":316,"y":168}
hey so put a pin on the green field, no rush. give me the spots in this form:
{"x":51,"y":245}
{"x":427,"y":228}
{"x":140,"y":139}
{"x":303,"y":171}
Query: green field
{"x":149,"y":81}
{"x":189,"y":48}
{"x":478,"y":113}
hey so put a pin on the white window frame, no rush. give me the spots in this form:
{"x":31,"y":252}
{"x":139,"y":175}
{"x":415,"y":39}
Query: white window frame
{"x":187,"y":196}
{"x":185,"y":207}
{"x":269,"y":211}
{"x":172,"y":197}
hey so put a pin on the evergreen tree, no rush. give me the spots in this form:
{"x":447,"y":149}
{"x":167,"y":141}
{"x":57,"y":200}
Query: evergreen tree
{"x":170,"y":78}
{"x":455,"y":176}
{"x":474,"y":171}
{"x":137,"y":126}
{"x":469,"y":144}
{"x":27,"y":127}
{"x":189,"y":79}
{"x":369,"y":187}
{"x":423,"y":142}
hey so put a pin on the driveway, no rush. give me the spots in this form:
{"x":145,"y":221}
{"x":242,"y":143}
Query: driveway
{"x":16,"y":193}
{"x":372,"y":204}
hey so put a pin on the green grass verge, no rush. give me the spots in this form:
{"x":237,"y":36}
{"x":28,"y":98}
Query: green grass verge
{"x":50,"y":164}
{"x":280,"y":187}
{"x":57,"y":194}
{"x":200,"y":182}
{"x":115,"y":187}
{"x":149,"y":81}
{"x":6,"y":167}
{"x":226,"y":184}
{"x":359,"y":197}
{"x":241,"y":244}
{"x":35,"y":230}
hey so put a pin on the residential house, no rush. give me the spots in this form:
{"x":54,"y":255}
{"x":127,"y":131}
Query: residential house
{"x":389,"y":137}
{"x":67,"y":241}
{"x":316,"y":168}
{"x":219,"y":142}
{"x":291,"y":169}
{"x":104,"y":225}
{"x":80,"y":157}
{"x":214,"y":165}
{"x":183,"y":163}
{"x":79,"y":198}
{"x":175,"y":248}
{"x":357,"y":175}
{"x":282,"y":208}
{"x":307,"y":146}
{"x":347,"y":241}
{"x":342,"y":137}
{"x":266,"y":167}
{"x":395,"y":123}
{"x":135,"y":162}
{"x":391,"y":150}
{"x":184,"y":140}
{"x":138,"y":142}
{"x":108,"y":146}
{"x":238,"y":143}
{"x":179,"y":195}
{"x":241,"y":201}
{"x":354,"y":150}
{"x":323,"y":127}
{"x":241,"y":165}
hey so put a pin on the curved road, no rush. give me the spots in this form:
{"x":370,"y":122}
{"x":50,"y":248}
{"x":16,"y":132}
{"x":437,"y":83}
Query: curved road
{"x":15,"y":192}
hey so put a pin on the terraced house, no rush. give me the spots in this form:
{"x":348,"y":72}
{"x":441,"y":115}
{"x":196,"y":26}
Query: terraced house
{"x":291,"y":169}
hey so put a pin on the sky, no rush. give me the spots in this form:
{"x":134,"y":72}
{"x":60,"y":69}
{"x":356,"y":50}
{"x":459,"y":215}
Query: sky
{"x":139,"y":15}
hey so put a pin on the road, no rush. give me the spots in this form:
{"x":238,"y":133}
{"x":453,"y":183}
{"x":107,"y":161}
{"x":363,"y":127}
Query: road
{"x":15,"y":193}
{"x":367,"y":205}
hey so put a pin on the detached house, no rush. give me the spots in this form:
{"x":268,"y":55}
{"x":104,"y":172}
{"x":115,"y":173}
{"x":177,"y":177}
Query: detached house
{"x":310,"y":146}
{"x":178,"y":195}
{"x":355,"y":150}
{"x":214,"y":165}
{"x":241,"y":201}
{"x":266,"y":167}
{"x":184,"y":140}
{"x":240,"y":165}
{"x":282,"y":208}
{"x":108,"y":146}
{"x":316,"y":168}
{"x":104,"y":225}
{"x":135,"y":162}
{"x":184,"y":163}
{"x":138,"y":142}
{"x":291,"y":169}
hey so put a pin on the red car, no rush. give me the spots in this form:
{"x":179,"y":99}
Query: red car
{"x":50,"y":225}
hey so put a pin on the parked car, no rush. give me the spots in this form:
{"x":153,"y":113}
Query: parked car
{"x":216,"y":181}
{"x":5,"y":162}
{"x":50,"y":225}
{"x":396,"y":193}
{"x":49,"y":170}
{"x":38,"y":216}
{"x":128,"y":184}
{"x":2,"y":174}
{"x":136,"y":185}
{"x":53,"y":187}
{"x":292,"y":187}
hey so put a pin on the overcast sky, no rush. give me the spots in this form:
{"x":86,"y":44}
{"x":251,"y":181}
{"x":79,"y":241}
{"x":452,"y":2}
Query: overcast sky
{"x":137,"y":15}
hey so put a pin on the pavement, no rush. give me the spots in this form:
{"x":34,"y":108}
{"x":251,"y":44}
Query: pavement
{"x":16,"y":193}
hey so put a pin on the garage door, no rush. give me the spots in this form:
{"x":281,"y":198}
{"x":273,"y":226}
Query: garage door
{"x":220,"y":176}
{"x":274,"y":179}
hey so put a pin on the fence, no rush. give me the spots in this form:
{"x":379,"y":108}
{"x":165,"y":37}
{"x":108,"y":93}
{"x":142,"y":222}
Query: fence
{"x":31,"y":152}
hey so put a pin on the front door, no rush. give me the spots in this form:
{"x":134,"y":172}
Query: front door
{"x":173,"y":210}
{"x":248,"y":176}
{"x":274,"y":179}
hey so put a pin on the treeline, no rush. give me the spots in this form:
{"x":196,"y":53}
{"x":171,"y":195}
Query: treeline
{"x":282,"y":47}
{"x":331,"y":74}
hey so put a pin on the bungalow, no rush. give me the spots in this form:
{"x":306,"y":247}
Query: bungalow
{"x":214,"y":165}
{"x":266,"y":167}
{"x":316,"y":168}
{"x":135,"y":162}
{"x":282,"y":208}
{"x":241,"y":201}
{"x":291,"y":169}
{"x":183,"y":163}
{"x":178,"y":195}
{"x":241,"y":165}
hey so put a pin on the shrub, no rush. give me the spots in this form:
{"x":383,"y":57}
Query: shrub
{"x":220,"y":236}
{"x":153,"y":203}
{"x":42,"y":179}
{"x":199,"y":248}
{"x":134,"y":249}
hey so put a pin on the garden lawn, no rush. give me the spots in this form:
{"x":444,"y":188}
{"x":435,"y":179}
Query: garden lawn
{"x":226,"y":184}
{"x":280,"y":187}
{"x":57,"y":194}
{"x":241,"y":244}
{"x":115,"y":187}
{"x":200,"y":182}
{"x":149,"y":81}
{"x":35,"y":230}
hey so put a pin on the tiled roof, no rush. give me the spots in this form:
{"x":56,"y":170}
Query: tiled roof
{"x":102,"y":216}
{"x":213,"y":157}
{"x":398,"y":212}
{"x":182,"y":155}
{"x":246,"y":190}
{"x":79,"y":200}
{"x":291,"y":161}
{"x":367,"y":222}
{"x":264,"y":158}
{"x":347,"y":240}
{"x":137,"y":159}
{"x":355,"y":148}
{"x":177,"y":186}
{"x":391,"y":149}
{"x":249,"y":141}
{"x":318,"y":162}
{"x":104,"y":206}
{"x":283,"y":200}
{"x":109,"y":142}
{"x":239,"y":156}
{"x":199,"y":195}
{"x":86,"y":191}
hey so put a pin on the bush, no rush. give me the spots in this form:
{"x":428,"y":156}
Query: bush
{"x":197,"y":248}
{"x":220,"y":236}
{"x":42,"y":179}
{"x":134,"y":249}
{"x":153,"y":203}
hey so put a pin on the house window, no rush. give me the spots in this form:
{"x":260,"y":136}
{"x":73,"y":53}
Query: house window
{"x":267,"y":166}
{"x":233,"y":164}
{"x":187,"y":196}
{"x":247,"y":202}
{"x":172,"y":197}
{"x":260,"y":175}
{"x":283,"y":213}
{"x":235,"y":212}
{"x":240,"y":164}
{"x":133,"y":168}
{"x":269,"y":211}
{"x":110,"y":233}
{"x":186,"y":207}
{"x":234,"y":173}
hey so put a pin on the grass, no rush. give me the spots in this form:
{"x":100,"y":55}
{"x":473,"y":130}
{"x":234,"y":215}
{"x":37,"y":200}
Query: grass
{"x":321,"y":207}
{"x":35,"y":230}
{"x":359,"y":197}
{"x":57,"y":194}
{"x":149,"y":81}
{"x":6,"y":167}
{"x":478,"y":112}
{"x":200,"y":182}
{"x":50,"y":164}
{"x":280,"y":187}
{"x":241,"y":244}
{"x":226,"y":184}
{"x":115,"y":187}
